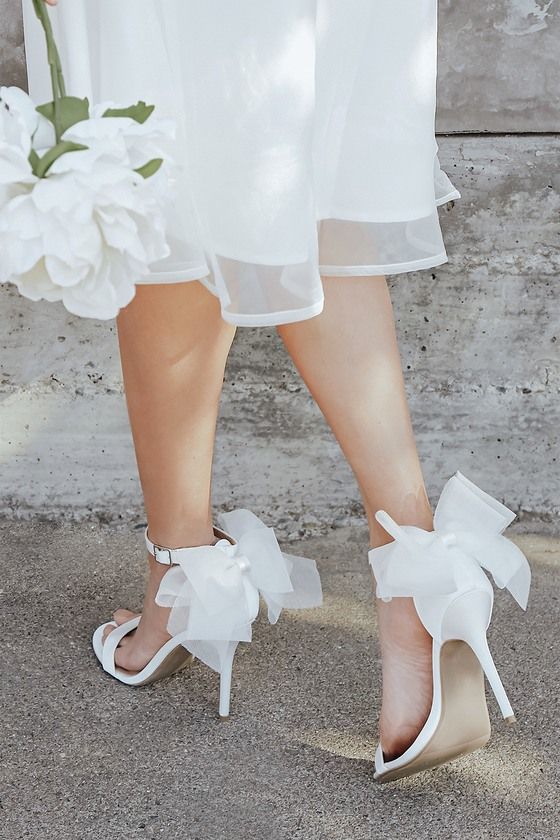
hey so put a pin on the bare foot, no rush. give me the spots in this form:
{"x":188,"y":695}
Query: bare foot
{"x":406,"y":649}
{"x":139,"y":646}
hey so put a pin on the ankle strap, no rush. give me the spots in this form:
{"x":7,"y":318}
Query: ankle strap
{"x":173,"y":556}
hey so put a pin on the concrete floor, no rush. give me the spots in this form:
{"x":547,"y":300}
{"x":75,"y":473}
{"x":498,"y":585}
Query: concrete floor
{"x":85,"y":757}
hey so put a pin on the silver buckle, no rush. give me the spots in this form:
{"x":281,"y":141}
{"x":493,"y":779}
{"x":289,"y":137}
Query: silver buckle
{"x":157,"y":550}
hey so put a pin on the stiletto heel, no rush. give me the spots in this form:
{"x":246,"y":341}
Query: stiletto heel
{"x":467,"y":619}
{"x":213,"y":592}
{"x":482,"y":651}
{"x":225,"y":680}
{"x":442,"y":570}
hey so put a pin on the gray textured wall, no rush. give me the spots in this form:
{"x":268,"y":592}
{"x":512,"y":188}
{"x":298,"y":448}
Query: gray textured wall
{"x":12,"y":55}
{"x":499,"y":67}
{"x":480,"y":336}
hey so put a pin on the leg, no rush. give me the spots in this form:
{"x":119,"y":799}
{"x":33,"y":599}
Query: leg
{"x":348,"y":356}
{"x":174,"y":345}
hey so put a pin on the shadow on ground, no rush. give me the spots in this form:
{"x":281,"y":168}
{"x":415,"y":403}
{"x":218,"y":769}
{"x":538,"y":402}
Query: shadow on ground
{"x":86,"y":757}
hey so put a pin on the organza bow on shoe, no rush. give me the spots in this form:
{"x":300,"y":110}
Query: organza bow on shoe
{"x":214,"y":591}
{"x":467,"y":535}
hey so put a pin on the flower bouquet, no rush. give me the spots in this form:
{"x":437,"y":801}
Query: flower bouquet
{"x":82,"y":194}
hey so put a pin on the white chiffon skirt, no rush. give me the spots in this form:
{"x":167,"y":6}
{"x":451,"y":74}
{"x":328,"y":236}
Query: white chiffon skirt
{"x":305,"y":135}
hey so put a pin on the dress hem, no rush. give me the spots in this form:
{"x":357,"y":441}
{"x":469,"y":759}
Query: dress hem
{"x":176,"y":276}
{"x":292,"y":316}
{"x":454,"y":195}
{"x":375,"y":270}
{"x":274,"y":319}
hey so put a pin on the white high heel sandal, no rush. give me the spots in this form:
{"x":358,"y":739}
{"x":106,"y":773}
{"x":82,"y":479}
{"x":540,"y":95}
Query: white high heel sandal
{"x":213,"y":592}
{"x":442,"y":570}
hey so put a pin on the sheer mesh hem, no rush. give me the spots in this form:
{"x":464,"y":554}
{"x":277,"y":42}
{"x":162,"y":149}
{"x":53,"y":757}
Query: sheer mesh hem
{"x":255,"y":293}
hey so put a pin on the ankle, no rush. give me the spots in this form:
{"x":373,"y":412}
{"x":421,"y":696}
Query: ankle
{"x":399,"y":624}
{"x":156,"y":570}
{"x":191,"y":539}
{"x":420,"y":516}
{"x":173,"y":537}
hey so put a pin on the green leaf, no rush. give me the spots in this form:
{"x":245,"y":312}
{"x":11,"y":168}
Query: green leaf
{"x":139,"y":112}
{"x":149,"y":168}
{"x":71,"y":110}
{"x":33,"y":159}
{"x":44,"y":163}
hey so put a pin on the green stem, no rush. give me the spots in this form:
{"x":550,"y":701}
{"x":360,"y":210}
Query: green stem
{"x":55,"y":65}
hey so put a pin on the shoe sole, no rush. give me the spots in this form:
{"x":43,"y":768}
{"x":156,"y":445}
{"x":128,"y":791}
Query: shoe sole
{"x":176,"y":661}
{"x":464,"y":725}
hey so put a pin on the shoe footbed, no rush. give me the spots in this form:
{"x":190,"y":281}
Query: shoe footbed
{"x":176,"y":660}
{"x":464,"y":725}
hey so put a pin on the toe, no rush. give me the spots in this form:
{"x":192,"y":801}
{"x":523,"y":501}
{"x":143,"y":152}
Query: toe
{"x":122,"y":615}
{"x":109,"y":629}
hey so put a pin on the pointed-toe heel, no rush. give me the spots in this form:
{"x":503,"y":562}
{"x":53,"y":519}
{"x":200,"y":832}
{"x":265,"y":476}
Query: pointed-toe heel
{"x":442,"y":570}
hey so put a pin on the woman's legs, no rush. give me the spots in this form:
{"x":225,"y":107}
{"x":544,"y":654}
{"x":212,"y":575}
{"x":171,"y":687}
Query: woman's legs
{"x":174,"y":346}
{"x":348,"y":356}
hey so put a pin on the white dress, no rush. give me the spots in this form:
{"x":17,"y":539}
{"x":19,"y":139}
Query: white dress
{"x":306,"y":135}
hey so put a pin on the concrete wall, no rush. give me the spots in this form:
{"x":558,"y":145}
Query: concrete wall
{"x":479,"y":336}
{"x":12,"y":54}
{"x":499,"y":67}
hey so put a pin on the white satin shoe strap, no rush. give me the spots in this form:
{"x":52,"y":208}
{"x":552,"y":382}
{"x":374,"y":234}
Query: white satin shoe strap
{"x":112,"y":642}
{"x":174,"y":556}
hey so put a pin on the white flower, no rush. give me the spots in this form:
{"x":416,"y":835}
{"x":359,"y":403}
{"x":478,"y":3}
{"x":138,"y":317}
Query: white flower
{"x":17,"y":107}
{"x":15,"y":143}
{"x":88,"y":230}
{"x":143,"y":141}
